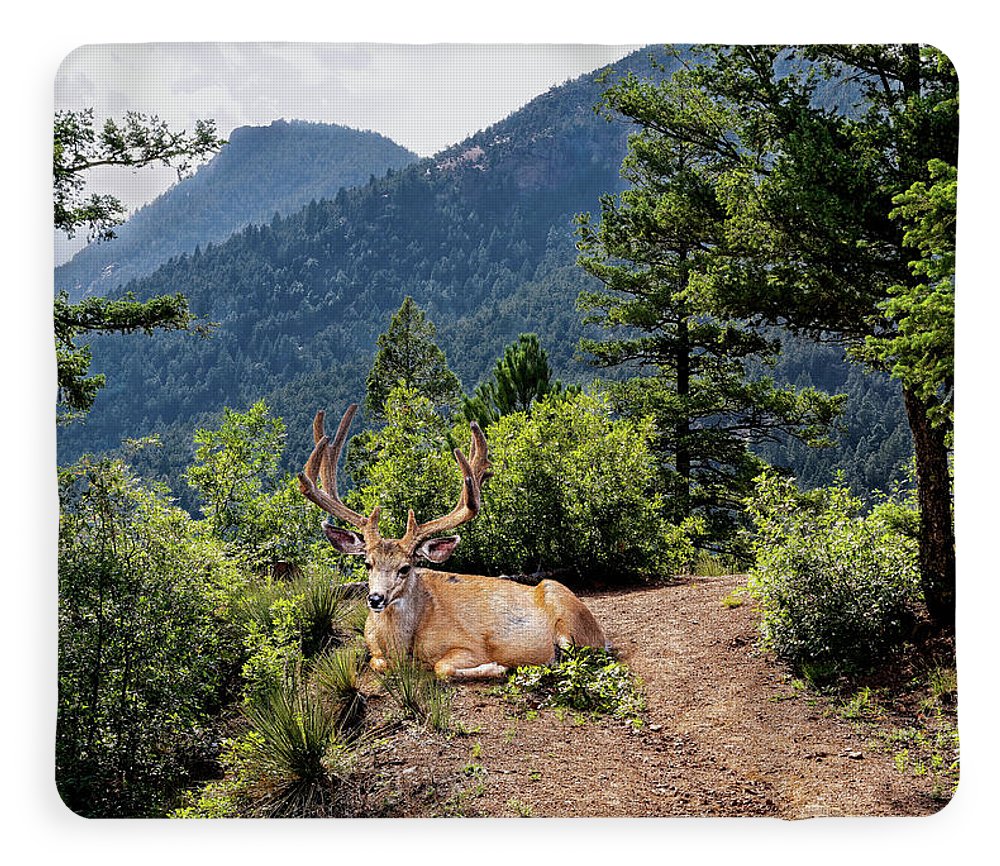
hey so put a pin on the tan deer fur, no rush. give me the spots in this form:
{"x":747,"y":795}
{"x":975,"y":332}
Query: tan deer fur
{"x":461,"y":625}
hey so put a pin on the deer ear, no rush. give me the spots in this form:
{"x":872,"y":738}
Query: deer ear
{"x":344,"y":540}
{"x":438,"y":549}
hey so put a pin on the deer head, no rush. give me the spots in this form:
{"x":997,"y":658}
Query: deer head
{"x":390,"y":561}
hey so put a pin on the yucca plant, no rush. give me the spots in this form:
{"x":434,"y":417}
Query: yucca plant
{"x":418,"y":693}
{"x":355,"y":614}
{"x":293,"y":754}
{"x":336,"y":675}
{"x":325,"y":613}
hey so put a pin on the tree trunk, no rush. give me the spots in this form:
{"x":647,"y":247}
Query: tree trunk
{"x":937,"y":529}
{"x":683,"y":431}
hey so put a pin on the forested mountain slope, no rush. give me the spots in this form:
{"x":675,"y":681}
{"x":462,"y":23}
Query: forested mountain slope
{"x":261,"y":171}
{"x":481,"y":236}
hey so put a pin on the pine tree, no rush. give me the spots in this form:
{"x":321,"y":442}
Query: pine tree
{"x":652,"y":242}
{"x":808,"y":195}
{"x":407,"y":354}
{"x":76,"y":388}
{"x":522,"y":376}
{"x":135,"y":142}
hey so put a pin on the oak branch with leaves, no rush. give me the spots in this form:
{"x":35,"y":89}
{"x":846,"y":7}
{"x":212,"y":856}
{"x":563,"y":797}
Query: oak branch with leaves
{"x":79,"y":146}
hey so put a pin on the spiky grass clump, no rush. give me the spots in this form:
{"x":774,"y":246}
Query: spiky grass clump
{"x":298,"y":756}
{"x":353,"y":619}
{"x":337,"y":677}
{"x":709,"y":565}
{"x":293,"y":760}
{"x":418,"y":693}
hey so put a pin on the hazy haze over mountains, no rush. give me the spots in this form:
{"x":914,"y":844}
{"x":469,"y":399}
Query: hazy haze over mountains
{"x":424,"y":97}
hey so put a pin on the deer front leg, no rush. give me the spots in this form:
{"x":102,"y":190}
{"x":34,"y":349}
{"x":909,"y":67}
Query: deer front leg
{"x":378,"y":662}
{"x":490,"y":670}
{"x":462,"y":665}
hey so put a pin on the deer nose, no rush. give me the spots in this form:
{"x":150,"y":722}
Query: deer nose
{"x":376,"y":601}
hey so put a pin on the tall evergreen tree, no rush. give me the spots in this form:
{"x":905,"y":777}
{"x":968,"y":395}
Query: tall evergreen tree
{"x":134,"y":142}
{"x":407,"y":354}
{"x":807,"y":194}
{"x":920,"y":353}
{"x":652,"y":241}
{"x":522,"y":376}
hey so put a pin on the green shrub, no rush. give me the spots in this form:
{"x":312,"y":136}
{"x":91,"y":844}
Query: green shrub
{"x":298,"y":746}
{"x":585,"y":679}
{"x":833,"y":584}
{"x":259,"y":514}
{"x":573,"y":489}
{"x":146,"y":652}
{"x":274,"y":650}
{"x":324,"y":612}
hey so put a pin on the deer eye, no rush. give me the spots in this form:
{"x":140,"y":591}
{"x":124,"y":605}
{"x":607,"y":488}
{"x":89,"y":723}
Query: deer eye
{"x":368,"y":564}
{"x":405,"y":570}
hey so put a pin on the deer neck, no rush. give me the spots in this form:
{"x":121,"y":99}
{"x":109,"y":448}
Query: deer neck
{"x":401,"y":618}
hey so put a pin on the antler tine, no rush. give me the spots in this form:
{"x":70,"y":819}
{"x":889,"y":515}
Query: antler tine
{"x":322,"y":464}
{"x":328,"y":468}
{"x":475,"y":471}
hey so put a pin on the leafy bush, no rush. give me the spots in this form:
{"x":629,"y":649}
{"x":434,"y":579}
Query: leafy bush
{"x":585,"y":679}
{"x":259,"y":514}
{"x":287,"y":622}
{"x":833,"y":584}
{"x":323,"y":611}
{"x":573,"y":489}
{"x":274,"y":650}
{"x":145,"y":652}
{"x":406,"y":464}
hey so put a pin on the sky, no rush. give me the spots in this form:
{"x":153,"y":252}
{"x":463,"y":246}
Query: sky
{"x":423,"y":97}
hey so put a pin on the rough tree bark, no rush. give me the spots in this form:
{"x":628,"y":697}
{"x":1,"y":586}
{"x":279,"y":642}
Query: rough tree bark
{"x":937,"y":529}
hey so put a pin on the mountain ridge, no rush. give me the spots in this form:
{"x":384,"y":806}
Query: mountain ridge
{"x":233,"y":189}
{"x":481,"y":235}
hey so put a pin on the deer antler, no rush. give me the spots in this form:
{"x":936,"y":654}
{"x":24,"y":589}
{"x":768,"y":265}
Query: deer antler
{"x":475,"y":471}
{"x":322,"y":464}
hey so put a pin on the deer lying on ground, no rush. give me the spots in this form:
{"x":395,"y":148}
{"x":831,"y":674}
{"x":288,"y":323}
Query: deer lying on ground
{"x":463,"y":626}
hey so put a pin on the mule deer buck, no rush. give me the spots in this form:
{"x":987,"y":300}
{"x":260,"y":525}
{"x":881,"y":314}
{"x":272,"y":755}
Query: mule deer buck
{"x":463,"y":626}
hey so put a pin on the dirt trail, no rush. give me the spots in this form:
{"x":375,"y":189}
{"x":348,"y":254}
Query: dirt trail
{"x":727,"y":734}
